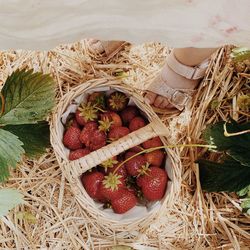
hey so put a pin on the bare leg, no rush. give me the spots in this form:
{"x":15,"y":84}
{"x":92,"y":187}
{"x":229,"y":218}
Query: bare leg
{"x":186,"y":56}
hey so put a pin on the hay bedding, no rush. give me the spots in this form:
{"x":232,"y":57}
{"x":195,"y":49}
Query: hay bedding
{"x":197,"y":220}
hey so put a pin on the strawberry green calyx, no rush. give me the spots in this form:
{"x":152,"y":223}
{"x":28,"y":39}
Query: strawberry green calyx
{"x":88,"y":111}
{"x":117,"y":101}
{"x":105,"y":125}
{"x":112,"y":181}
{"x":109,"y":163}
{"x":144,"y":169}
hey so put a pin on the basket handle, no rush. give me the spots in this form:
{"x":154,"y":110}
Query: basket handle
{"x":153,"y":129}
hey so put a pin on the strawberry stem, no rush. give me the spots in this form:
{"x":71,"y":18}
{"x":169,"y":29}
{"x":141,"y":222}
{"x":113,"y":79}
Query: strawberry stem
{"x":163,"y":147}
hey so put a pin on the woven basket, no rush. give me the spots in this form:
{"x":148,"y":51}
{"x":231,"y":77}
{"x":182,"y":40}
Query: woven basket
{"x":140,"y":217}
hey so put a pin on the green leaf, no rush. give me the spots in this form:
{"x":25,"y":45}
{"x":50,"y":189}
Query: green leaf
{"x":28,"y":97}
{"x":244,"y":191}
{"x":35,"y":137}
{"x":236,"y":146}
{"x":240,"y":54}
{"x":246,"y":206}
{"x":9,"y":198}
{"x":228,"y":176}
{"x":10,"y":152}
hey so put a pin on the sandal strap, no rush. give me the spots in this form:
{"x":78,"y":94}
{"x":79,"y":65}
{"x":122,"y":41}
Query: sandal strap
{"x":177,"y":97}
{"x":192,"y":73}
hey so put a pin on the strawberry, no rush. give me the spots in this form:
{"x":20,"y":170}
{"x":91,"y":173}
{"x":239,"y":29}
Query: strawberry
{"x":120,"y":171}
{"x":71,"y":138}
{"x":87,"y":133}
{"x":124,"y":202}
{"x":136,"y":123}
{"x":134,"y":165}
{"x":78,"y":153}
{"x":152,"y":143}
{"x":136,"y":149}
{"x":97,"y":99}
{"x":112,"y":117}
{"x":129,"y":113}
{"x":91,"y":182}
{"x":117,"y":101}
{"x":98,"y":140}
{"x":111,"y":186}
{"x":117,"y":133}
{"x":92,"y":137}
{"x":71,"y":121}
{"x":155,"y":157}
{"x":86,"y":113}
{"x":153,"y":183}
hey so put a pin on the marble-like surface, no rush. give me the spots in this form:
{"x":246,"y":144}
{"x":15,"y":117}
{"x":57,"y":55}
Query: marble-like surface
{"x":44,"y":24}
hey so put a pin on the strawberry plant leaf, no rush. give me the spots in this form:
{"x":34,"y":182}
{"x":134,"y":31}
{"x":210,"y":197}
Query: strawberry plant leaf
{"x":9,"y":198}
{"x":235,"y":146}
{"x":244,"y":191}
{"x":228,"y":176}
{"x":28,"y":97}
{"x":10,"y":152}
{"x":35,"y":137}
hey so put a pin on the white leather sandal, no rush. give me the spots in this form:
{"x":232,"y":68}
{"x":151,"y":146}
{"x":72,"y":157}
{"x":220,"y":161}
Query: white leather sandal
{"x":178,"y":97}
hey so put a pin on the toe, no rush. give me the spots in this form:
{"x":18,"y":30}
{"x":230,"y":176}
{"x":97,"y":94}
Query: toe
{"x":158,"y":101}
{"x":164,"y":104}
{"x":150,"y":97}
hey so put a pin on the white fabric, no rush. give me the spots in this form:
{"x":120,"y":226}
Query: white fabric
{"x":44,"y":24}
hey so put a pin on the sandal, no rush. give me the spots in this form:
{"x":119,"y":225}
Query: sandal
{"x":177,"y":97}
{"x":105,"y":50}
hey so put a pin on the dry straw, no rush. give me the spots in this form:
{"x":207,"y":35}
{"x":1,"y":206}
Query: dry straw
{"x":196,"y":220}
{"x":74,"y":169}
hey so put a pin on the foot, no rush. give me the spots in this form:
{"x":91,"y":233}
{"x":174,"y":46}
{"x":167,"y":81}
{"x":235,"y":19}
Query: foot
{"x":175,"y":84}
{"x":173,"y":80}
{"x":105,"y":49}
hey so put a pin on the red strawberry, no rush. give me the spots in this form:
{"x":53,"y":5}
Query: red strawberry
{"x":124,"y":202}
{"x":92,"y":137}
{"x":91,"y":182}
{"x":152,"y":143}
{"x":136,"y":123}
{"x":111,"y":186}
{"x":97,"y":99}
{"x":117,"y":101}
{"x":134,"y":165}
{"x":117,"y":133}
{"x":120,"y":171}
{"x":78,"y":153}
{"x":136,"y":149}
{"x":98,"y":140}
{"x":86,"y":113}
{"x":155,"y":157}
{"x":80,"y":120}
{"x":87,"y":133}
{"x":153,"y":183}
{"x":112,"y":117}
{"x":71,"y":138}
{"x":129,"y":113}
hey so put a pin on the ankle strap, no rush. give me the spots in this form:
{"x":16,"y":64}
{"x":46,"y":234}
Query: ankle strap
{"x":188,"y":72}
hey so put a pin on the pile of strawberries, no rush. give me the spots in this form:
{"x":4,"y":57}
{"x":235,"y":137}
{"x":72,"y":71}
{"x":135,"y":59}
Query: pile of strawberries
{"x":136,"y":176}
